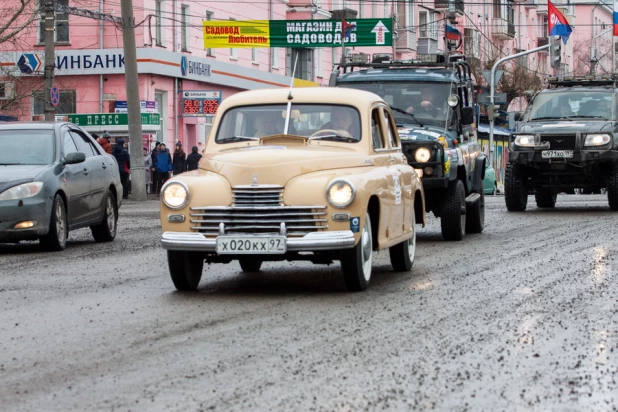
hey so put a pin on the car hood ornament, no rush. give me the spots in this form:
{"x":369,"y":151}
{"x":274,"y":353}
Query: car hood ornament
{"x":254,"y":180}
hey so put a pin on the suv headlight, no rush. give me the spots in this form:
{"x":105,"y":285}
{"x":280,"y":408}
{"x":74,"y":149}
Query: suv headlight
{"x":175,"y":195}
{"x":524,"y":140}
{"x":340,"y":193}
{"x":22,"y":191}
{"x":597,"y":139}
{"x":422,"y":155}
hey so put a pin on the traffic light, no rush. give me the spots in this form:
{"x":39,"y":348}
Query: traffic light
{"x":554,"y":52}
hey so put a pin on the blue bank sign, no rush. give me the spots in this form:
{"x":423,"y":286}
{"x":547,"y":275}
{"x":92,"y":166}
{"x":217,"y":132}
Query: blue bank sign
{"x":189,"y":67}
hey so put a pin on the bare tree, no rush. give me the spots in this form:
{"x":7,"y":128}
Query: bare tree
{"x":582,"y":64}
{"x":16,"y":16}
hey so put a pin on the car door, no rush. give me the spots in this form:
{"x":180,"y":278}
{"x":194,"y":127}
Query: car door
{"x":75,"y":182}
{"x":395,"y":171}
{"x":96,"y":165}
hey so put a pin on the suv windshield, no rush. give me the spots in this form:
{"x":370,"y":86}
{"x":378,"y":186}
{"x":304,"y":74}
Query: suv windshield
{"x":314,"y":121}
{"x":26,"y":147}
{"x":572,"y":104}
{"x":427,"y":101}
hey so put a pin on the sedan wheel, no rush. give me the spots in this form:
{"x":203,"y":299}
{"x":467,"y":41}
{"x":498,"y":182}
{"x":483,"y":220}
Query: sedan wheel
{"x":356,"y":263}
{"x":185,"y":268}
{"x":106,"y":230}
{"x":402,"y":254}
{"x":56,"y":237}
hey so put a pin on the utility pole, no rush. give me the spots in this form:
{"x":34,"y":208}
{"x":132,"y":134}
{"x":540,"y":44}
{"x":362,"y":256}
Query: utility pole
{"x":50,"y":58}
{"x":138,"y":174}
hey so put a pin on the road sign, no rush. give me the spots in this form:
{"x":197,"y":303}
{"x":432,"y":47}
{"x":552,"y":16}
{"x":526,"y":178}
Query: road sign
{"x":55,"y":95}
{"x":499,"y":98}
{"x":498,"y":75}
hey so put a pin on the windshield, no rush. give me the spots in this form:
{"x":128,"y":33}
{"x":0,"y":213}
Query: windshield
{"x":314,"y":121}
{"x":26,"y":147}
{"x":427,"y":101}
{"x":570,"y":103}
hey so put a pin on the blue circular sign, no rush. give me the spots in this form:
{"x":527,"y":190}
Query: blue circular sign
{"x":55,"y":95}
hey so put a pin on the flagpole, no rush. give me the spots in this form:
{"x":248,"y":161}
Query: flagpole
{"x":342,"y":42}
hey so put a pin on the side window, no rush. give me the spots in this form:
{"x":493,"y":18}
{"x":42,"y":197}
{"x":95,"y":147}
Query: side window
{"x":68,"y":145}
{"x":390,"y":130}
{"x":376,"y":130}
{"x":84,"y":144}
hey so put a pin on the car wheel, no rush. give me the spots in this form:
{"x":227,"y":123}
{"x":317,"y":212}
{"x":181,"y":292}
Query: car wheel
{"x":402,"y":254}
{"x":475,"y":216}
{"x":545,"y":198}
{"x":612,"y":189}
{"x":356,"y":262}
{"x":106,"y":230}
{"x":185,"y":268}
{"x":515,"y":190}
{"x":250,"y":265}
{"x":453,"y":211}
{"x":56,"y":237}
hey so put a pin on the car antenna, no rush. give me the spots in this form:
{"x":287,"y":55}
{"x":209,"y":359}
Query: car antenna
{"x":289,"y":108}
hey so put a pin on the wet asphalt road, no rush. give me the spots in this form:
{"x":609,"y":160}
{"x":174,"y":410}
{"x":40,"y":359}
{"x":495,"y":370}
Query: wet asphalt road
{"x":521,"y":317}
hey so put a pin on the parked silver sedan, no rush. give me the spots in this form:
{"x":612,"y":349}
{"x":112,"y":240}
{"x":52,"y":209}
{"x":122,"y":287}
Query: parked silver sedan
{"x":54,"y":178}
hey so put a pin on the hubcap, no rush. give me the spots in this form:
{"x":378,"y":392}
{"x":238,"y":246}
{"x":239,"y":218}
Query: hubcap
{"x":366,"y":250}
{"x":111,"y":218}
{"x":60,"y":228}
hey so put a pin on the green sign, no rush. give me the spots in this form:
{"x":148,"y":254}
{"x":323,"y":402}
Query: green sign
{"x":298,"y":33}
{"x":111,"y":119}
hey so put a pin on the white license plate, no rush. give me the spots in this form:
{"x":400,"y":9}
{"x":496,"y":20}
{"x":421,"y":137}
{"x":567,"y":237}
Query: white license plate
{"x":242,"y":245}
{"x":564,"y":154}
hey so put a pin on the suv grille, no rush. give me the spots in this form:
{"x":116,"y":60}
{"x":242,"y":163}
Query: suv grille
{"x":258,"y":209}
{"x":559,"y":142}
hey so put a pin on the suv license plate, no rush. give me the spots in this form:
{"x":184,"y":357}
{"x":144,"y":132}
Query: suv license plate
{"x":564,"y":154}
{"x":242,"y":245}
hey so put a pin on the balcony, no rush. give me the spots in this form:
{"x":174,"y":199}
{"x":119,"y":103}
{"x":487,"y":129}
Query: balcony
{"x":502,"y":29}
{"x":406,"y":40}
{"x":532,"y":4}
{"x":443,"y":5}
{"x":427,"y":45}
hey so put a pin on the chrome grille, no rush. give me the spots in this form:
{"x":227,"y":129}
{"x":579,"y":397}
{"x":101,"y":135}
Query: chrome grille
{"x":258,"y":209}
{"x":257,"y":195}
{"x":559,"y":142}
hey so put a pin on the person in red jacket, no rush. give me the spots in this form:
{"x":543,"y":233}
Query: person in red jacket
{"x":105,"y":143}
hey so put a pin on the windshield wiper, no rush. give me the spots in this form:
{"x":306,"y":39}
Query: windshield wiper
{"x":589,"y":116}
{"x":553,"y":118}
{"x":237,"y":139}
{"x":397,"y":109}
{"x":336,"y":137}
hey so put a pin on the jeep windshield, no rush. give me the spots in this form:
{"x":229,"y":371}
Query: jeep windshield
{"x":313,"y":121}
{"x":571,"y":104}
{"x":425,"y":100}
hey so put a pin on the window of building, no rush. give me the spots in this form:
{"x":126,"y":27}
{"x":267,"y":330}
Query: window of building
{"x":423,"y":28}
{"x":374,"y":9}
{"x":544,"y":28}
{"x":209,"y":17}
{"x":497,"y":8}
{"x":274,"y":57}
{"x":304,"y":63}
{"x":67,"y":102}
{"x":61,"y":32}
{"x":158,"y":23}
{"x":233,"y":54}
{"x":184,"y":26}
{"x":319,"y":66}
{"x":255,"y":55}
{"x":2,"y":91}
{"x":409,"y":14}
{"x":361,"y":14}
{"x":386,"y":5}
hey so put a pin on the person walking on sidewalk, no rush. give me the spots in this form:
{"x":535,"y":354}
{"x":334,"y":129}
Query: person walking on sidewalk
{"x":193,"y":159}
{"x":124,"y":165}
{"x":162,"y":167}
{"x":180,"y":160}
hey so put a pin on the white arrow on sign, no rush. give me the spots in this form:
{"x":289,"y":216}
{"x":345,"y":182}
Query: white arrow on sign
{"x":380,"y":30}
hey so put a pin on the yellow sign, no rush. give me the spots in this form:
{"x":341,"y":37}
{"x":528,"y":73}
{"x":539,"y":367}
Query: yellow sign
{"x":224,"y":34}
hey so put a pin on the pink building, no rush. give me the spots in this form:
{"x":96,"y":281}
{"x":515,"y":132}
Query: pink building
{"x":173,"y":63}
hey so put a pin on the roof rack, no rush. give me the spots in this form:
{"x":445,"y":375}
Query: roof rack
{"x":583,"y":81}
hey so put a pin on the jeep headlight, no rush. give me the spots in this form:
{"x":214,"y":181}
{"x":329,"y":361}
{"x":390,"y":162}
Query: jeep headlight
{"x":22,"y":191}
{"x":525,"y":140}
{"x":340,"y":193}
{"x":422,"y":155}
{"x":175,"y":195}
{"x":597,"y":139}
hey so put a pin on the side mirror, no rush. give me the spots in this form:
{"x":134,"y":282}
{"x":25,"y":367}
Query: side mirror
{"x":467,"y":115}
{"x":75,"y":157}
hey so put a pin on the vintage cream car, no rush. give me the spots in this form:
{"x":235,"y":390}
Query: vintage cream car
{"x":312,"y":174}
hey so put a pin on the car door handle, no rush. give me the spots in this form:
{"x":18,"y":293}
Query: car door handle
{"x":104,"y":165}
{"x":85,"y":171}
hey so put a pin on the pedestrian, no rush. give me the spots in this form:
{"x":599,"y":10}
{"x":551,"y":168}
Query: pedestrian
{"x":105,"y":143}
{"x":153,"y":155}
{"x":162,"y":167}
{"x":180,"y":160}
{"x":124,"y":164}
{"x":193,"y":159}
{"x":147,"y":168}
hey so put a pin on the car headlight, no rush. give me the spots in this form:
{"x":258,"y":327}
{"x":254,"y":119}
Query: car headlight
{"x":340,"y":193}
{"x":597,"y":139}
{"x":22,"y":191}
{"x":526,"y":140}
{"x":422,"y":155}
{"x":175,"y":195}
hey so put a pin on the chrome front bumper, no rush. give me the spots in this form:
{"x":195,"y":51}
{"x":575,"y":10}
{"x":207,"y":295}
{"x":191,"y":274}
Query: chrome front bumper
{"x":196,"y":242}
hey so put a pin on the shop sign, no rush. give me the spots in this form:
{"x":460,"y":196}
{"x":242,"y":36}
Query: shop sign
{"x":200,"y":102}
{"x":148,"y":106}
{"x":111,"y":119}
{"x":297,"y":33}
